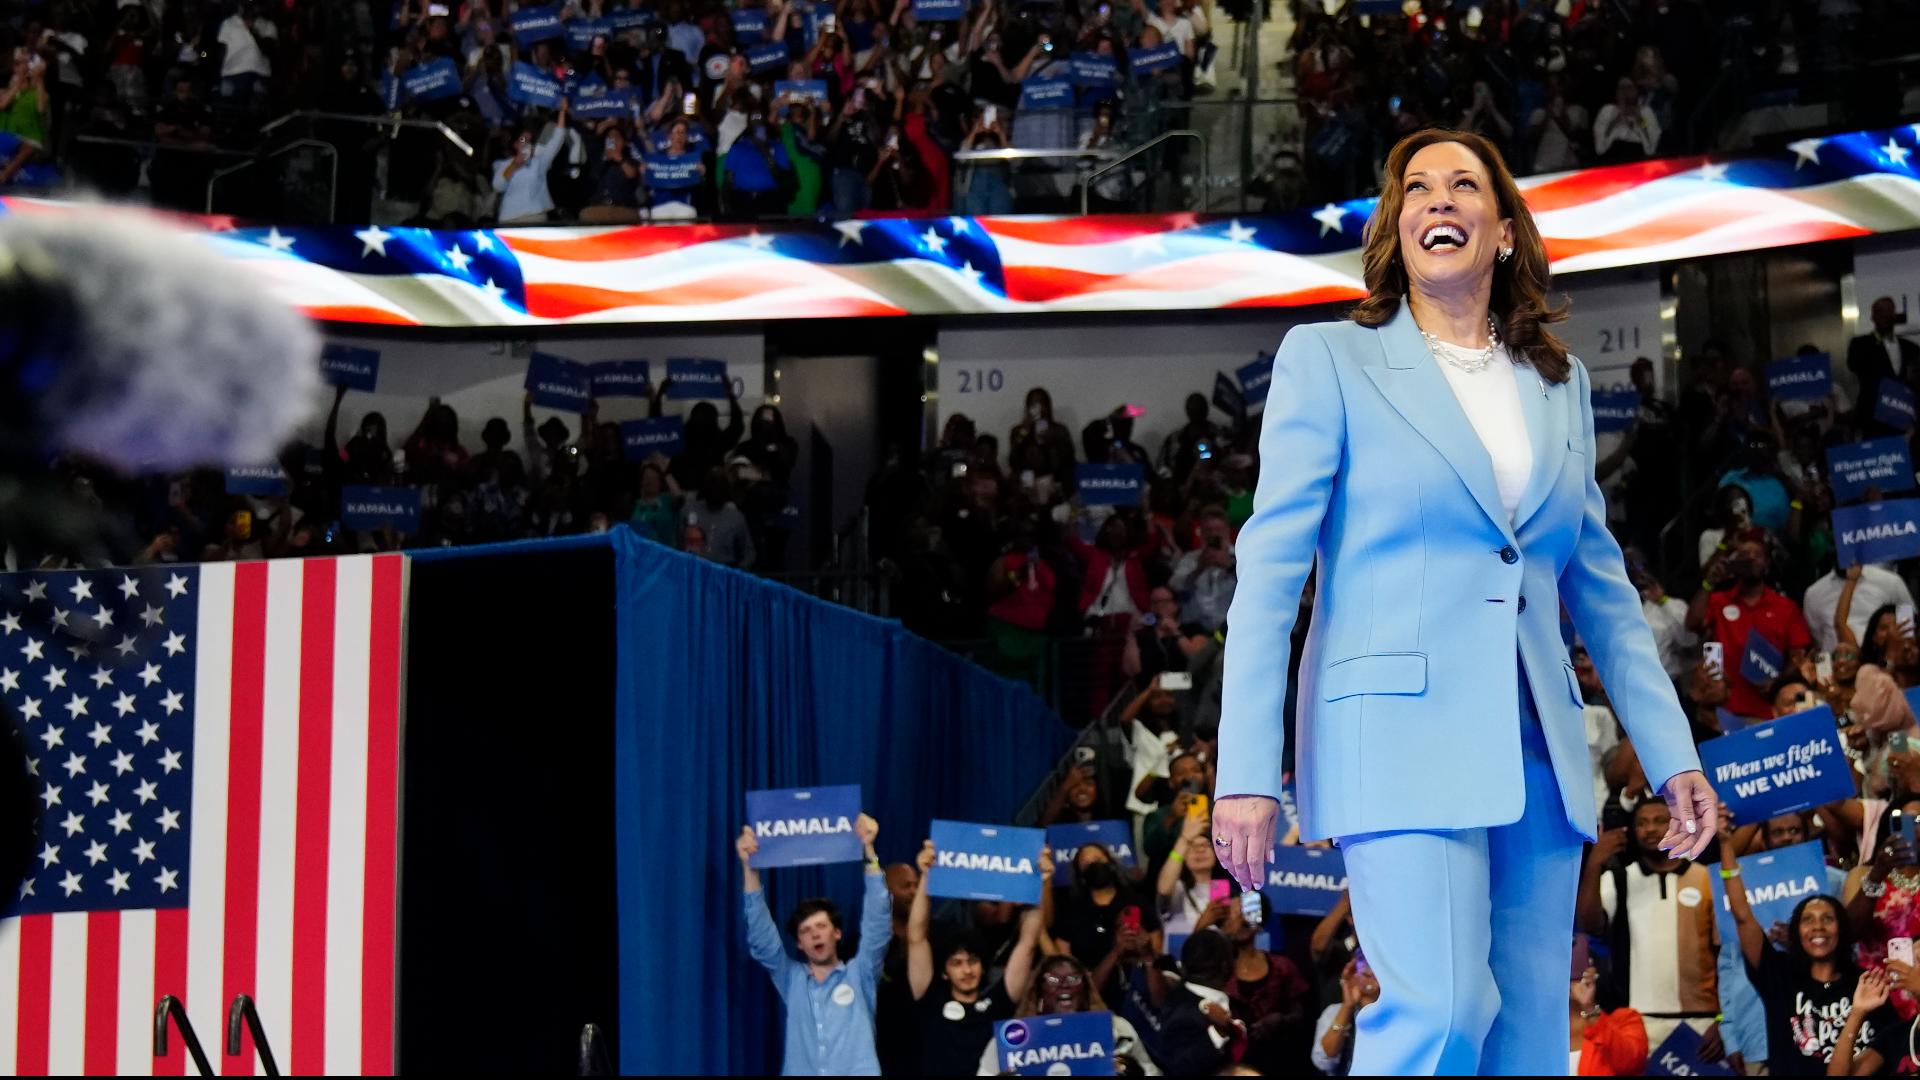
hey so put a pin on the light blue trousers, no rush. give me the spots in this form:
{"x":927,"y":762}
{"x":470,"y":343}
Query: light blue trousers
{"x":1470,"y":933}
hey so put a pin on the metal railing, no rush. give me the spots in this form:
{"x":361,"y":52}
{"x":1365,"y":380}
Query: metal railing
{"x":394,"y":123}
{"x":333,"y":176}
{"x":242,"y":1013}
{"x":1087,"y":180}
{"x":169,"y":1008}
{"x":593,"y":1053}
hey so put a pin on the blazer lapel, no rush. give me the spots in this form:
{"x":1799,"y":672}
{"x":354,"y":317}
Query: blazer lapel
{"x":1413,"y":384}
{"x":1545,"y":407}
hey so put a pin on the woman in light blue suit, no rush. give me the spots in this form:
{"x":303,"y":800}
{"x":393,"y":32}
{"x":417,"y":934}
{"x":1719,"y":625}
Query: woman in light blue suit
{"x":1435,"y":456}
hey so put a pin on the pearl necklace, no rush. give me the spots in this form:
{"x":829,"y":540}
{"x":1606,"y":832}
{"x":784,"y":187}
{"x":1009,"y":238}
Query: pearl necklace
{"x":1468,"y":360}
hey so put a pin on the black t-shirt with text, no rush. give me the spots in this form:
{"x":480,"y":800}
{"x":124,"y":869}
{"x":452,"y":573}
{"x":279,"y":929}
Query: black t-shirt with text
{"x":953,"y":1033}
{"x":1805,"y":1016}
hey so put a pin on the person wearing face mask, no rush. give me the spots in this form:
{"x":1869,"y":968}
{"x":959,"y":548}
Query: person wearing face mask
{"x":1734,"y":601}
{"x":1433,"y":457}
{"x":1100,"y":902}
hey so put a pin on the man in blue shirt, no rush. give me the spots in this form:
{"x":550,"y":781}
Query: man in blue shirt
{"x":829,"y":1002}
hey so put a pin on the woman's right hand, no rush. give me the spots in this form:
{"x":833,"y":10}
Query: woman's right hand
{"x":1246,"y":823}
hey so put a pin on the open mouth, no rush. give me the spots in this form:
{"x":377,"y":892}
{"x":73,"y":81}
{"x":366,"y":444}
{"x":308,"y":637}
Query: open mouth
{"x":1443,"y":234}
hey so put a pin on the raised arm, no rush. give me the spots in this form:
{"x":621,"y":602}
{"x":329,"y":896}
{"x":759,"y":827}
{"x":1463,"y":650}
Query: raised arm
{"x":1753,"y":936}
{"x":876,"y":907}
{"x":1305,"y":427}
{"x":1018,"y":976}
{"x":763,"y":938}
{"x":1844,"y":633}
{"x":919,"y":915}
{"x":1869,"y":994}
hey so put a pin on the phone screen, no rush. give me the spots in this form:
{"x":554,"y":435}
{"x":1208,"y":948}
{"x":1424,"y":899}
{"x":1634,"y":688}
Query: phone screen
{"x":1903,"y":615}
{"x":1251,"y":908}
{"x":1714,"y":654}
{"x":989,"y":116}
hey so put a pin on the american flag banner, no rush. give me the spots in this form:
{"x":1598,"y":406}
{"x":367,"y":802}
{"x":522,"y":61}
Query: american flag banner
{"x":217,"y":753}
{"x":1815,"y":189}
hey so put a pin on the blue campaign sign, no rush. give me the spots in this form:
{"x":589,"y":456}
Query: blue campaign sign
{"x":697,"y":379}
{"x":767,"y":57}
{"x":619,"y":378}
{"x":1877,"y":463}
{"x":350,"y":366}
{"x":1060,"y":1044}
{"x":1730,"y":721}
{"x":1679,"y":1055}
{"x":1779,"y":766}
{"x":1760,"y":659}
{"x":1884,"y":531}
{"x":532,"y":86}
{"x":814,"y":90}
{"x":1614,"y":410}
{"x":536,"y":24}
{"x":1110,"y":485}
{"x":672,"y":173}
{"x":558,"y":383}
{"x":1067,"y":840}
{"x":364,"y":506}
{"x":1159,"y":58}
{"x":1776,"y":881}
{"x":435,"y":79}
{"x":1305,"y":880}
{"x":1797,"y":377}
{"x":939,"y":10}
{"x":631,"y":19}
{"x":804,"y":826}
{"x":749,"y":25}
{"x":611,"y":105}
{"x":641,"y":439}
{"x":1376,"y":7}
{"x":581,"y":32}
{"x":1253,"y":381}
{"x":1047,"y":93}
{"x":389,"y":90}
{"x":1228,"y":397}
{"x":256,"y":480}
{"x":1093,"y":70}
{"x":1894,"y":405}
{"x":986,"y":862}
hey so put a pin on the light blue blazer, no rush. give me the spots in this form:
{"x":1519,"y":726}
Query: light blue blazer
{"x":1408,"y":708}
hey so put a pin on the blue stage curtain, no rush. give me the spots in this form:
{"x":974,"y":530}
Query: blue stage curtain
{"x":727,"y":683}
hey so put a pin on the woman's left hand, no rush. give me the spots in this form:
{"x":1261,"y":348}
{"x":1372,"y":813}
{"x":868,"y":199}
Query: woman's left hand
{"x":1694,"y":807}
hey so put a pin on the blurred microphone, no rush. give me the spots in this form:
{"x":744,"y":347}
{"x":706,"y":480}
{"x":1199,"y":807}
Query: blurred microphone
{"x":132,"y":344}
{"x":129,"y":342}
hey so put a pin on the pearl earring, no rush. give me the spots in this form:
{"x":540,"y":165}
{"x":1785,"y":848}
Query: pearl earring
{"x":1505,"y":254}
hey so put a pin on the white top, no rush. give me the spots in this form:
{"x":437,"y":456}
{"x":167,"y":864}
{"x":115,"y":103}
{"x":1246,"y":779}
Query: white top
{"x":244,"y":56}
{"x":1653,"y":929}
{"x":1491,"y":399}
{"x":1878,"y":587}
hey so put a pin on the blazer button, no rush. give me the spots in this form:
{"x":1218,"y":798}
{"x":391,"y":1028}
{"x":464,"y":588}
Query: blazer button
{"x":1508,"y":555}
{"x":1523,"y":603}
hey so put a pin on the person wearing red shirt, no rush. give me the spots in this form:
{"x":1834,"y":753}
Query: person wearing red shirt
{"x":1735,"y":601}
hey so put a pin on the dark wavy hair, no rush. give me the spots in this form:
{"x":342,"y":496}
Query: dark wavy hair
{"x":1519,"y":297}
{"x":1842,"y":943}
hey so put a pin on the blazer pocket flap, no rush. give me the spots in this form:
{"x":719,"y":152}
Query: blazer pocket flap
{"x":1375,"y":673}
{"x":1573,"y":684}
{"x":1576,"y":443}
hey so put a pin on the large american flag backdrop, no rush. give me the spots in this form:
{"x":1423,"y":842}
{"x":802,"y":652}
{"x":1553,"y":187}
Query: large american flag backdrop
{"x":216,"y":749}
{"x":1815,"y":189}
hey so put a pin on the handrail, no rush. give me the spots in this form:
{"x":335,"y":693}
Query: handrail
{"x":333,"y":179}
{"x":169,"y":1006}
{"x":242,"y":1010}
{"x":383,"y":120}
{"x":1014,"y":153}
{"x":593,"y":1053}
{"x":1086,"y":182}
{"x":156,"y":145}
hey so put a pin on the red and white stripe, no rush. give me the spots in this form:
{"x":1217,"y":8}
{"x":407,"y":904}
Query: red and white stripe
{"x":293,"y":874}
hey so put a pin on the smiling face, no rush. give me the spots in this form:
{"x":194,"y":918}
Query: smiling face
{"x":1450,"y":226}
{"x":1819,"y":930}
